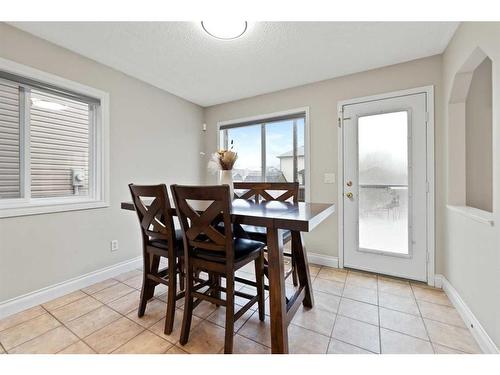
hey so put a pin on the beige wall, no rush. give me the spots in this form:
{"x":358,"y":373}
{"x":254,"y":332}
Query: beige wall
{"x":478,"y":132}
{"x":322,"y":98}
{"x":151,"y":132}
{"x":471,"y":251}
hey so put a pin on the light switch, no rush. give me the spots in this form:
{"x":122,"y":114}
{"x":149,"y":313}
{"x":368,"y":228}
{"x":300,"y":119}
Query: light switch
{"x":329,"y":178}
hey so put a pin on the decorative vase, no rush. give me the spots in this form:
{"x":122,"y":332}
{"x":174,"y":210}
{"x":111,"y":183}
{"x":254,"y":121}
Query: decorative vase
{"x":226,"y":178}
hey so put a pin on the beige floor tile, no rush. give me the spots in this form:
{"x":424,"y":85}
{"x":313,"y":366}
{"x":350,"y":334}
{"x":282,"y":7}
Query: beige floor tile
{"x":451,"y":336}
{"x":205,"y":338}
{"x":144,"y":343}
{"x":26,"y":331}
{"x":242,"y":345}
{"x":314,"y":270}
{"x":399,"y":303}
{"x":78,"y":347}
{"x":328,"y":286}
{"x":99,"y":286}
{"x":324,"y":301}
{"x":204,"y":309}
{"x":360,"y":334}
{"x":398,"y":343}
{"x":134,"y":282}
{"x":48,"y":343}
{"x":333,"y":274}
{"x":443,"y":314}
{"x":155,"y":311}
{"x":401,"y":322}
{"x":423,"y":293}
{"x":21,"y":317}
{"x":256,"y":330}
{"x":159,"y":327}
{"x":64,"y":300}
{"x":361,"y":280}
{"x":359,"y":310}
{"x":128,"y":275}
{"x":396,"y":287}
{"x":113,"y":335}
{"x":176,"y":350}
{"x":439,"y":349}
{"x":112,"y":293}
{"x":219,"y":317}
{"x":92,"y":321}
{"x":127,"y":303}
{"x":2,"y":351}
{"x":304,"y":341}
{"x":160,"y":289}
{"x":317,"y":320}
{"x":361,"y":294}
{"x":339,"y":347}
{"x":76,"y":309}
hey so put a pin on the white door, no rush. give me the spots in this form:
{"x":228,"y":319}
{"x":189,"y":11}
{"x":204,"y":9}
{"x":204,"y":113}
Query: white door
{"x":385,"y":186}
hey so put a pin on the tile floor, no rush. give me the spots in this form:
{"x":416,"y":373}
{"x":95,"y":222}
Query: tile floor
{"x":354,"y":312}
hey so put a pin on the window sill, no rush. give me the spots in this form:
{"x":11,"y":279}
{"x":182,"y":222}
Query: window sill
{"x":474,"y":214}
{"x":50,"y":206}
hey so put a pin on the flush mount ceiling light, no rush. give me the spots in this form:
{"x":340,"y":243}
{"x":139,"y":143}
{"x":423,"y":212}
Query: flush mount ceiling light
{"x":225,"y":30}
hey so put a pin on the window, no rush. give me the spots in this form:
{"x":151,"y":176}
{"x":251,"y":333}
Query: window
{"x":269,"y":150}
{"x":51,"y":147}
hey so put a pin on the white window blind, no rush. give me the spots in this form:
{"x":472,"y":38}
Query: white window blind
{"x":10,"y":141}
{"x":59,"y":145}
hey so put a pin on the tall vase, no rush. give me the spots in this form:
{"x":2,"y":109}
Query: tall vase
{"x":226,"y":178}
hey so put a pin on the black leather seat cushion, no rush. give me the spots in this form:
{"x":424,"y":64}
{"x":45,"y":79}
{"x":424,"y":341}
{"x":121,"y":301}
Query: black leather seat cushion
{"x":260,"y":233}
{"x":162,"y":244}
{"x":242,"y":248}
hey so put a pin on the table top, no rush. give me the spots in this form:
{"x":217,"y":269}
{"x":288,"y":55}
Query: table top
{"x":302,"y":216}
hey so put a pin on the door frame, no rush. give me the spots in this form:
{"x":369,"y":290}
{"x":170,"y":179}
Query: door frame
{"x":430,"y":220}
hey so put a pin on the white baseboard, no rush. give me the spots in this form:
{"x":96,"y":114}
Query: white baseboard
{"x":46,"y":294}
{"x":323,"y":260}
{"x":485,"y":342}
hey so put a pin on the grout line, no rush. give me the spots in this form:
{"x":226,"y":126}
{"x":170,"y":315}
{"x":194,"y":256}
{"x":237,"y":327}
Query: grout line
{"x":379,"y":329}
{"x":421,"y":317}
{"x":348,"y":343}
{"x":3,"y":348}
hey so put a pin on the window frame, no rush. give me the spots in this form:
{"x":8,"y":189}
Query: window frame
{"x":98,"y":196}
{"x":269,"y":118}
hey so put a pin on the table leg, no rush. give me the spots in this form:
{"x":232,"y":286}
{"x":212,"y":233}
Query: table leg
{"x":302,"y":265}
{"x":277,"y":292}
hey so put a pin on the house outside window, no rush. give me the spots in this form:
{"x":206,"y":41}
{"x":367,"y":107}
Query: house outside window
{"x":52,"y":143}
{"x":270,"y":149}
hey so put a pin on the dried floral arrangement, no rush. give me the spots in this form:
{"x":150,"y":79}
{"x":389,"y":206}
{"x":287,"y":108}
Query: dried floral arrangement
{"x":223,"y":160}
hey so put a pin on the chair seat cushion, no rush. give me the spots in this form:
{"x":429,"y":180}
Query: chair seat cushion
{"x":260,"y":233}
{"x":242,"y":248}
{"x":162,"y":244}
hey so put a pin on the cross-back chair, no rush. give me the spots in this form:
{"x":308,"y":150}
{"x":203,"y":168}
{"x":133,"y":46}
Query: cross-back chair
{"x":159,"y":239}
{"x":269,"y":191}
{"x":214,"y":249}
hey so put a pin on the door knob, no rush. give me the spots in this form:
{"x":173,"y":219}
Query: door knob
{"x":349,"y":195}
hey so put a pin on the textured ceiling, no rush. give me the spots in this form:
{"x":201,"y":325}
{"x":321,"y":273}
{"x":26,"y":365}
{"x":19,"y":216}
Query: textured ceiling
{"x":181,"y":58}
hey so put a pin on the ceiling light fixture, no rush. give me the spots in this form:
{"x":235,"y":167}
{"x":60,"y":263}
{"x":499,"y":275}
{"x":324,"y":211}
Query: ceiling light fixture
{"x":225,"y":30}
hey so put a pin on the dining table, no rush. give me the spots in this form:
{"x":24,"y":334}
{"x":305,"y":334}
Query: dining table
{"x":277,"y":216}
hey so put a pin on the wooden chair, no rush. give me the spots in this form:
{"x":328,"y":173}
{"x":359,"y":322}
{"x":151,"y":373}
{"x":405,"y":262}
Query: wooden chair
{"x":263,"y":191}
{"x":159,"y":239}
{"x":210,"y":248}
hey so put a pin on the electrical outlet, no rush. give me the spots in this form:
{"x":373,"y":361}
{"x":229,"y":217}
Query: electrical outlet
{"x":114,"y":245}
{"x":329,"y":178}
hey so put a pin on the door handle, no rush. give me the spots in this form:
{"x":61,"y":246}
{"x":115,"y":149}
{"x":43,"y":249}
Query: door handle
{"x":349,"y":195}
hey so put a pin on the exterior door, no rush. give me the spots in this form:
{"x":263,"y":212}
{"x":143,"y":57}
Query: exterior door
{"x":385,"y":186}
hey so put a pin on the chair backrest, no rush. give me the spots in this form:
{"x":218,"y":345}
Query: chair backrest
{"x":262,"y":190}
{"x":152,"y":206}
{"x":199,"y":223}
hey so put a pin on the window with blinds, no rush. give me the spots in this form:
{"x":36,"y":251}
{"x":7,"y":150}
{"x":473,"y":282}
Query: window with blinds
{"x":10,"y":141}
{"x":45,"y":142}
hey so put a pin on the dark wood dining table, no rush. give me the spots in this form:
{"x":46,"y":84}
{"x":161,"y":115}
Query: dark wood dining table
{"x":275,"y":216}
